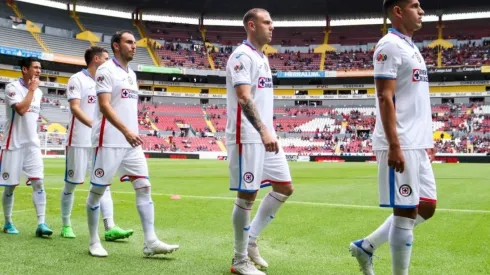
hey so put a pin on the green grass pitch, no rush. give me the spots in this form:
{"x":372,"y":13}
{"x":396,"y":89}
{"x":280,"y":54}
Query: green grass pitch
{"x":333,"y":204}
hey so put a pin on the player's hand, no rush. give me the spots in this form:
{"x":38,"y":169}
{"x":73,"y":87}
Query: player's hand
{"x":432,"y":153}
{"x":396,"y":160}
{"x":133,"y":139}
{"x":33,"y":83}
{"x":270,"y":142}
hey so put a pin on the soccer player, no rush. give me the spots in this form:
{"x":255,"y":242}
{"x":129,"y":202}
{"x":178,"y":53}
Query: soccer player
{"x":21,"y":150}
{"x":402,"y":139}
{"x":115,"y":133}
{"x":256,"y":159}
{"x":82,"y":97}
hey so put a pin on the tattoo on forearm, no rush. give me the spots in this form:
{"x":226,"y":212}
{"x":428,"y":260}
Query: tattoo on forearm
{"x":251,"y":113}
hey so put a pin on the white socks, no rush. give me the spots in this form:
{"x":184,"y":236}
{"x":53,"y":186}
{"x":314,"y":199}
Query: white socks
{"x":93,"y":210}
{"x":267,"y":211}
{"x":67,"y":198}
{"x":401,"y":239}
{"x":39,"y":200}
{"x":107,"y":209}
{"x":241,"y":220}
{"x":8,"y":203}
{"x":381,"y":234}
{"x":146,"y":209}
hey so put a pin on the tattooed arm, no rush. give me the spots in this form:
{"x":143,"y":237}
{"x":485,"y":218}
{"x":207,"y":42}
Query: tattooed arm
{"x":250,"y":111}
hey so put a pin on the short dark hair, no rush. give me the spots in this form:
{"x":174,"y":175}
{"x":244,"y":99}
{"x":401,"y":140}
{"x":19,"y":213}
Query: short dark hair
{"x":93,"y":51}
{"x":252,"y":15}
{"x":27,"y":62}
{"x":116,"y":38}
{"x":389,"y":4}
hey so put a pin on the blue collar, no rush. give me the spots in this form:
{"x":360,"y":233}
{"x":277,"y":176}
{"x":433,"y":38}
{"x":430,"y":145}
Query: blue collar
{"x":407,"y":39}
{"x":85,"y":72}
{"x":119,"y":64}
{"x":247,"y":43}
{"x":21,"y":80}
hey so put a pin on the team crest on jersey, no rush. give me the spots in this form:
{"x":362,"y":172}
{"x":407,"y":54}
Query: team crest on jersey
{"x":99,"y":172}
{"x":12,"y":93}
{"x":92,"y":99}
{"x":381,"y":57}
{"x":238,"y":67}
{"x":71,"y":88}
{"x":405,"y":190}
{"x":264,"y":82}
{"x":100,"y":78}
{"x":5,"y":176}
{"x":70,"y":173}
{"x":420,"y":75}
{"x":248,"y":177}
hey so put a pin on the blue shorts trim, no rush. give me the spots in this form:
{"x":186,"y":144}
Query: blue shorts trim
{"x":245,"y":191}
{"x":265,"y":185}
{"x":101,"y":185}
{"x":71,"y":182}
{"x":398,"y":206}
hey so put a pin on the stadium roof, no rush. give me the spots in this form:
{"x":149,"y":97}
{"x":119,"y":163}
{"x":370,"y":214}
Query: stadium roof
{"x":279,"y":8}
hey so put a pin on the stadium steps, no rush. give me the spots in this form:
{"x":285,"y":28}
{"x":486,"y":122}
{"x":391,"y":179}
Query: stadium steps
{"x":74,"y":15}
{"x":149,"y":48}
{"x":209,"y":122}
{"x":36,"y":36}
{"x":210,"y":58}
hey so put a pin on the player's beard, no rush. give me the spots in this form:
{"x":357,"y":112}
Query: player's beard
{"x":127,"y":57}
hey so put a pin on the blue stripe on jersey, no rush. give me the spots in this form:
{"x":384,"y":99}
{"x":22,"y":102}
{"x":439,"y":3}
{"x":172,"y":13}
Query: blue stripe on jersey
{"x":392,"y":186}
{"x":384,"y":77}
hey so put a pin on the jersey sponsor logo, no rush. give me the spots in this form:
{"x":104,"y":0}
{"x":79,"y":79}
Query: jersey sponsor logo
{"x":420,"y":75}
{"x":264,"y":82}
{"x":12,"y":94}
{"x":99,"y":172}
{"x":127,"y":93}
{"x":92,"y":99}
{"x":248,"y":177}
{"x":71,"y":88}
{"x":405,"y":190}
{"x":381,"y":57}
{"x":100,"y":79}
{"x":5,"y":176}
{"x":70,"y":173}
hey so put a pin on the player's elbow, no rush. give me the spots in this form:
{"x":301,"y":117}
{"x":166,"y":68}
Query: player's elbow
{"x":20,"y":111}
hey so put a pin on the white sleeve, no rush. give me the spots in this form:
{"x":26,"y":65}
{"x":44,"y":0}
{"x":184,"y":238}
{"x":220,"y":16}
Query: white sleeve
{"x":74,"y":89}
{"x":12,"y":97}
{"x":240,"y":66}
{"x":103,"y":79}
{"x":387,"y":60}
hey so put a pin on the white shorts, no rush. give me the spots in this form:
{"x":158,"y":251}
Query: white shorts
{"x":406,"y":190}
{"x":27,"y":160}
{"x":126,"y":162}
{"x":252,"y":168}
{"x":78,"y":162}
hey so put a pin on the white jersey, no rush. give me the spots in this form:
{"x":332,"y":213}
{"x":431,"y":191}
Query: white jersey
{"x":397,"y":57}
{"x":247,"y":66}
{"x":123,"y":87}
{"x":81,"y":86}
{"x":20,"y":130}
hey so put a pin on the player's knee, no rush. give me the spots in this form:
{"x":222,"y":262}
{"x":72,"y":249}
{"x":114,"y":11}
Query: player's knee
{"x":95,"y":194}
{"x":9,"y":190}
{"x":247,"y":196}
{"x":141,"y":183}
{"x":427,"y":209}
{"x":286,"y":190}
{"x":37,"y":185}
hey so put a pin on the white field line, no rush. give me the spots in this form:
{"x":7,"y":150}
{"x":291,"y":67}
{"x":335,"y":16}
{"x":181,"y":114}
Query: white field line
{"x":324,"y":204}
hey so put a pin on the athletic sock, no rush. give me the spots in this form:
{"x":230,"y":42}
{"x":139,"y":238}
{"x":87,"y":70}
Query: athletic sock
{"x":67,"y":199}
{"x":241,"y":227}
